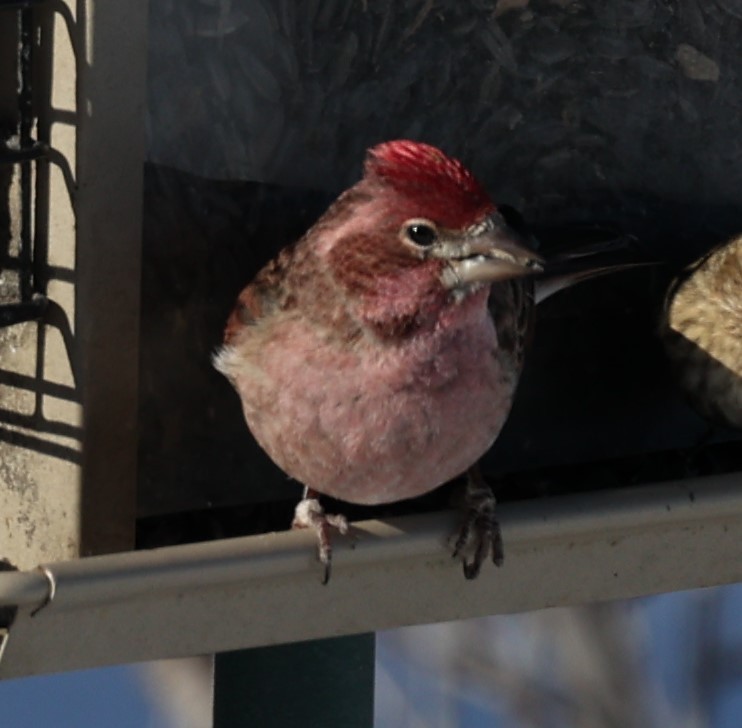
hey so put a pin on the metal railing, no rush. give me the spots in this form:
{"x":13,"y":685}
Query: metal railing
{"x":22,"y":149}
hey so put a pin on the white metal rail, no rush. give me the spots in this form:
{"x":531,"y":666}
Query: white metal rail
{"x":261,"y":590}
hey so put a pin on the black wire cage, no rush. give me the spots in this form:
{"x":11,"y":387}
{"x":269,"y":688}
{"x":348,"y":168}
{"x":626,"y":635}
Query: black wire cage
{"x":20,"y":150}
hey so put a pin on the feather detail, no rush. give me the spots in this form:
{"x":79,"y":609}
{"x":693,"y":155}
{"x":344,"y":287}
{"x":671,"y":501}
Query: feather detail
{"x":439,"y":186}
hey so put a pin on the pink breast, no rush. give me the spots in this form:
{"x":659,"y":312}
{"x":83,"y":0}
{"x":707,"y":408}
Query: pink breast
{"x":377,"y":423}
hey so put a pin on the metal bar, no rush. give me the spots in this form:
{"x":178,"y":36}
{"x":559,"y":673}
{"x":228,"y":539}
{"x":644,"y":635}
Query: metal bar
{"x":24,"y":588}
{"x":328,"y":683}
{"x":110,"y":578}
{"x":109,"y":151}
{"x":239,"y":593}
{"x":25,"y":109}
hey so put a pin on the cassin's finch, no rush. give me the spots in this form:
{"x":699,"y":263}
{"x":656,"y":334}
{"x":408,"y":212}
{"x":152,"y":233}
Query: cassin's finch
{"x":377,"y":357}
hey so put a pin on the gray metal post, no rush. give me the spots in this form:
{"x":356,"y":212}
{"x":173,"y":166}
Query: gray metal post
{"x":328,"y":683}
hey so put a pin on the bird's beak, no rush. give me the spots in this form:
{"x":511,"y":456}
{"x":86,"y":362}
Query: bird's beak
{"x":496,"y":253}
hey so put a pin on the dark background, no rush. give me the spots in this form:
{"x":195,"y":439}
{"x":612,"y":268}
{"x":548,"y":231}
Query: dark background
{"x":259,"y":113}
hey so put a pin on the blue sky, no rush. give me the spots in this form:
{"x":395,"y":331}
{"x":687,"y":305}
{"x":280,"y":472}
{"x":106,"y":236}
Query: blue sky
{"x":111,"y":697}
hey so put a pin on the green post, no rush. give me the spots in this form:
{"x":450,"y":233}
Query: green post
{"x":328,"y":683}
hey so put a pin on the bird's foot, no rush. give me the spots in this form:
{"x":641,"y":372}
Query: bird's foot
{"x":480,"y":531}
{"x":310,"y":514}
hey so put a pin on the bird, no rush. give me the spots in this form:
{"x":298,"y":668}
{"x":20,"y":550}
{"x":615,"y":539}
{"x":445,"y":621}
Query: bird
{"x":701,"y":330}
{"x":378,"y":356}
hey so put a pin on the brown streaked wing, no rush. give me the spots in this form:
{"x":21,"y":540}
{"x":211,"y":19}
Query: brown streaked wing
{"x":511,"y":305}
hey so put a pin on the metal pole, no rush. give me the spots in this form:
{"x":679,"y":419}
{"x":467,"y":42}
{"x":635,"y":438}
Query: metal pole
{"x":328,"y":683}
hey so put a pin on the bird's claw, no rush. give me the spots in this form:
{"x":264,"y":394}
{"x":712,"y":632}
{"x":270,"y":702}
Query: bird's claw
{"x":309,"y":513}
{"x":480,"y":531}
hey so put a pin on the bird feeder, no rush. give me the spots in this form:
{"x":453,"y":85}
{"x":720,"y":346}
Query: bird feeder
{"x":156,"y":157}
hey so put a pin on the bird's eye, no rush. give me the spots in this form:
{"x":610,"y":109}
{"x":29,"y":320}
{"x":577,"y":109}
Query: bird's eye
{"x":421,"y":234}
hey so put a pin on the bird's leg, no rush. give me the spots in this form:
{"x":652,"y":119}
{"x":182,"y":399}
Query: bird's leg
{"x":480,"y":530}
{"x":310,"y":514}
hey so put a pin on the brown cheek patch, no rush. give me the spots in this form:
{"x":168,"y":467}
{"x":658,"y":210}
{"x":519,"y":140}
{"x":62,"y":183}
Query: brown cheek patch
{"x":395,"y":292}
{"x":359,"y":261}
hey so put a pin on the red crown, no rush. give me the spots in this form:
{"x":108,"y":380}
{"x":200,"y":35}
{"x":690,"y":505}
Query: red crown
{"x":439,"y":186}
